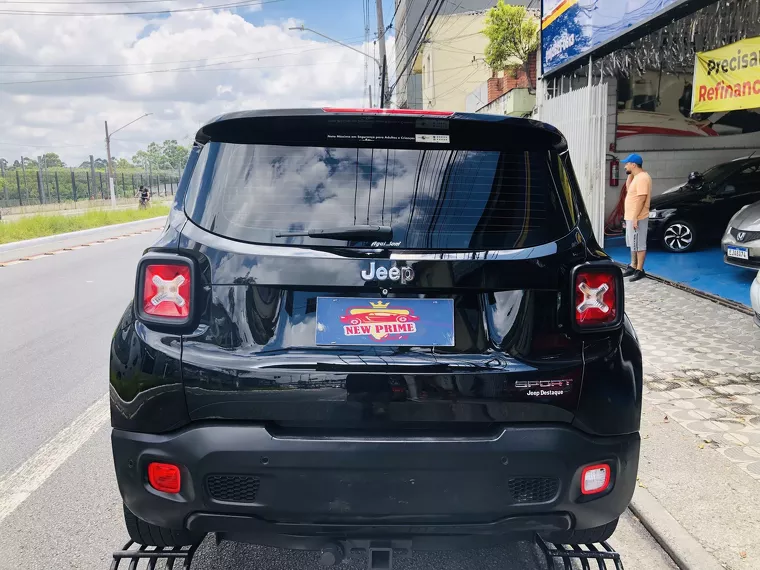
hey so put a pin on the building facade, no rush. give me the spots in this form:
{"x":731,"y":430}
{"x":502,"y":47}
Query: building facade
{"x":411,"y":19}
{"x":451,"y":61}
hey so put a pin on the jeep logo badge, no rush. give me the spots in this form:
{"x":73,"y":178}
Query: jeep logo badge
{"x":402,"y":275}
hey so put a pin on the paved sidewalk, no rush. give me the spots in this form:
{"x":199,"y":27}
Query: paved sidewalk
{"x":701,"y":426}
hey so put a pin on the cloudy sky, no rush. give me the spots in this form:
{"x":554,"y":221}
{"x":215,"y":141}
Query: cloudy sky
{"x":62,"y":76}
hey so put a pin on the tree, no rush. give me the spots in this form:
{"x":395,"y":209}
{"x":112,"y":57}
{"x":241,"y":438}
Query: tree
{"x":512,"y":37}
{"x":4,"y":162}
{"x":122,"y":163}
{"x":174,"y":154}
{"x":152,"y":156}
{"x":29,"y":162}
{"x":141,"y":159}
{"x":98,"y":162}
{"x":52,"y":160}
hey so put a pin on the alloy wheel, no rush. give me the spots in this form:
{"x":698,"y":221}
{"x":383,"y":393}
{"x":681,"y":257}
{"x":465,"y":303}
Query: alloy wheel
{"x":678,"y":237}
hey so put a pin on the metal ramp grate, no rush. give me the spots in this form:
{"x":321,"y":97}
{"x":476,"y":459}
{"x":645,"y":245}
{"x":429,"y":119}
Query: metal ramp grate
{"x":583,"y":553}
{"x":181,"y":558}
{"x":176,"y":558}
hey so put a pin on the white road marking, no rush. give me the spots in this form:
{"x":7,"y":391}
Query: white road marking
{"x":19,"y":484}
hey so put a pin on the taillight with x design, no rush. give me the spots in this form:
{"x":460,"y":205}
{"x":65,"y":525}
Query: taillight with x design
{"x":166,"y":290}
{"x":597,"y":296}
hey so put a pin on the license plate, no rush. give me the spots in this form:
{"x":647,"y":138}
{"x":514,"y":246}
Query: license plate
{"x":738,"y":252}
{"x":352,"y":321}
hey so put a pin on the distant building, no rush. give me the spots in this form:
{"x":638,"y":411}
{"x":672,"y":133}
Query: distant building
{"x":409,"y":23}
{"x":451,"y":61}
{"x":511,"y":94}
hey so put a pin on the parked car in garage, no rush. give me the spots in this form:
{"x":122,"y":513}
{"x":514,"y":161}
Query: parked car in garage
{"x":741,"y":242}
{"x":699,"y":211}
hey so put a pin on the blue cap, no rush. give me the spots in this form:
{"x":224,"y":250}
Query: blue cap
{"x":634,"y":158}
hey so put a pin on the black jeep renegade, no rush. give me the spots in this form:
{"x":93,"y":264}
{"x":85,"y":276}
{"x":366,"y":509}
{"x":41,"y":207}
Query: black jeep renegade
{"x":364,"y":325}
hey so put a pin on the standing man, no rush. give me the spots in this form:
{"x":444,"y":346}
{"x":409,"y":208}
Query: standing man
{"x":636,"y":214}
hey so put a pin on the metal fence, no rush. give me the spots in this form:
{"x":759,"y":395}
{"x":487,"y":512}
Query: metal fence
{"x":30,"y":186}
{"x":586,"y":130}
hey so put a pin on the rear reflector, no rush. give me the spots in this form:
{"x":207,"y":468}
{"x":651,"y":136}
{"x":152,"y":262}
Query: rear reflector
{"x":166,"y":290}
{"x":164,"y":477}
{"x":388,"y":111}
{"x":595,"y":479}
{"x":596,"y":298}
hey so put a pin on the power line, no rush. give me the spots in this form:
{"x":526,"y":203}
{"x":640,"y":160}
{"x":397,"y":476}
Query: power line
{"x":434,"y":13}
{"x":393,"y":18}
{"x":85,"y":2}
{"x":409,"y":38}
{"x":198,"y":67}
{"x":168,"y":71}
{"x":142,"y":13}
{"x":253,"y":53}
{"x":46,"y":145}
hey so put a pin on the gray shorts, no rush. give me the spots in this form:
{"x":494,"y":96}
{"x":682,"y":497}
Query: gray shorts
{"x":636,"y":240}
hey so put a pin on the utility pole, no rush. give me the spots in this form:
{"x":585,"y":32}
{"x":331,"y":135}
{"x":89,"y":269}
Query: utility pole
{"x":110,"y":173}
{"x":384,"y":99}
{"x":110,"y":168}
{"x":5,"y":183}
{"x":40,"y":183}
{"x":384,"y":102}
{"x":91,"y":187}
{"x":23,"y":169}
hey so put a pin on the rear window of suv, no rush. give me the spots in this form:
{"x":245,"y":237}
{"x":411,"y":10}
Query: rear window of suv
{"x":439,"y":199}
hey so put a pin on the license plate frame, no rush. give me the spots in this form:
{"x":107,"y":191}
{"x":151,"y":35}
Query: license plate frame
{"x":735,"y":252}
{"x":378,"y":321}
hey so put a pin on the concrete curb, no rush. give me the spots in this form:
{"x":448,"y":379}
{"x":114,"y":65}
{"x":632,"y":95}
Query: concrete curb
{"x":683,"y":548}
{"x":47,"y":239}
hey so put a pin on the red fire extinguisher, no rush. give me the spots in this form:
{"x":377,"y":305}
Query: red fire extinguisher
{"x":614,"y":172}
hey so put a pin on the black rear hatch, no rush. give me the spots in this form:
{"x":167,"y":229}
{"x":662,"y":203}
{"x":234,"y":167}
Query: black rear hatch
{"x":447,"y":306}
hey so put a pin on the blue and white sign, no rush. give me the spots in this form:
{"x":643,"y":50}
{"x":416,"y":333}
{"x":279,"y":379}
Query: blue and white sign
{"x":347,"y":321}
{"x":572,"y":28}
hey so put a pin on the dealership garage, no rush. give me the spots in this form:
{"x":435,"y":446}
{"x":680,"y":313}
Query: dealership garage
{"x":678,"y":83}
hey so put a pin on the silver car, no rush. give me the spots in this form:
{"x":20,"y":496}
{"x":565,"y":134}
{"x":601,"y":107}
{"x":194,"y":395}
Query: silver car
{"x":741,"y":242}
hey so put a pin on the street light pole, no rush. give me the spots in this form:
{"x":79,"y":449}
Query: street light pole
{"x":383,"y":100}
{"x":110,"y":169}
{"x":110,"y":162}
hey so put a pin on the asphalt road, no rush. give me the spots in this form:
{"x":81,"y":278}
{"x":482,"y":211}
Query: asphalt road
{"x":59,"y":504}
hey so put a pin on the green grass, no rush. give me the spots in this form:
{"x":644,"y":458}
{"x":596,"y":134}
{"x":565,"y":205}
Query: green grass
{"x":44,"y":225}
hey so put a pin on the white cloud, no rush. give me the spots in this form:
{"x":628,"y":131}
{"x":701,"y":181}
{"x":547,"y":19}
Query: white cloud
{"x":215,"y":61}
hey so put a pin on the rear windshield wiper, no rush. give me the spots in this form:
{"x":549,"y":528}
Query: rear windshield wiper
{"x":346,"y":233}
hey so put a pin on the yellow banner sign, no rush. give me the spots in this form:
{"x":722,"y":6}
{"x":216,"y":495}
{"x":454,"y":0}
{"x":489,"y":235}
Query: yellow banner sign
{"x":727,"y":78}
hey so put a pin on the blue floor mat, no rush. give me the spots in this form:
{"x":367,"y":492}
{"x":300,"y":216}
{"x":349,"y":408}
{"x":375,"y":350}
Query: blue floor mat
{"x":703,"y":269}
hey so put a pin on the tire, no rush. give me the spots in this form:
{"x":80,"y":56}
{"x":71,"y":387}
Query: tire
{"x":679,"y":236}
{"x":587,"y":536}
{"x":152,"y":535}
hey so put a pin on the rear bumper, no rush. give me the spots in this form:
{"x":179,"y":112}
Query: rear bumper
{"x":524,"y":480}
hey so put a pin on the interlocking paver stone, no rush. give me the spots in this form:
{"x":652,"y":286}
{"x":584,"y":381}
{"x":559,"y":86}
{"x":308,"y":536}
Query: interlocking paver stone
{"x":701,"y":367}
